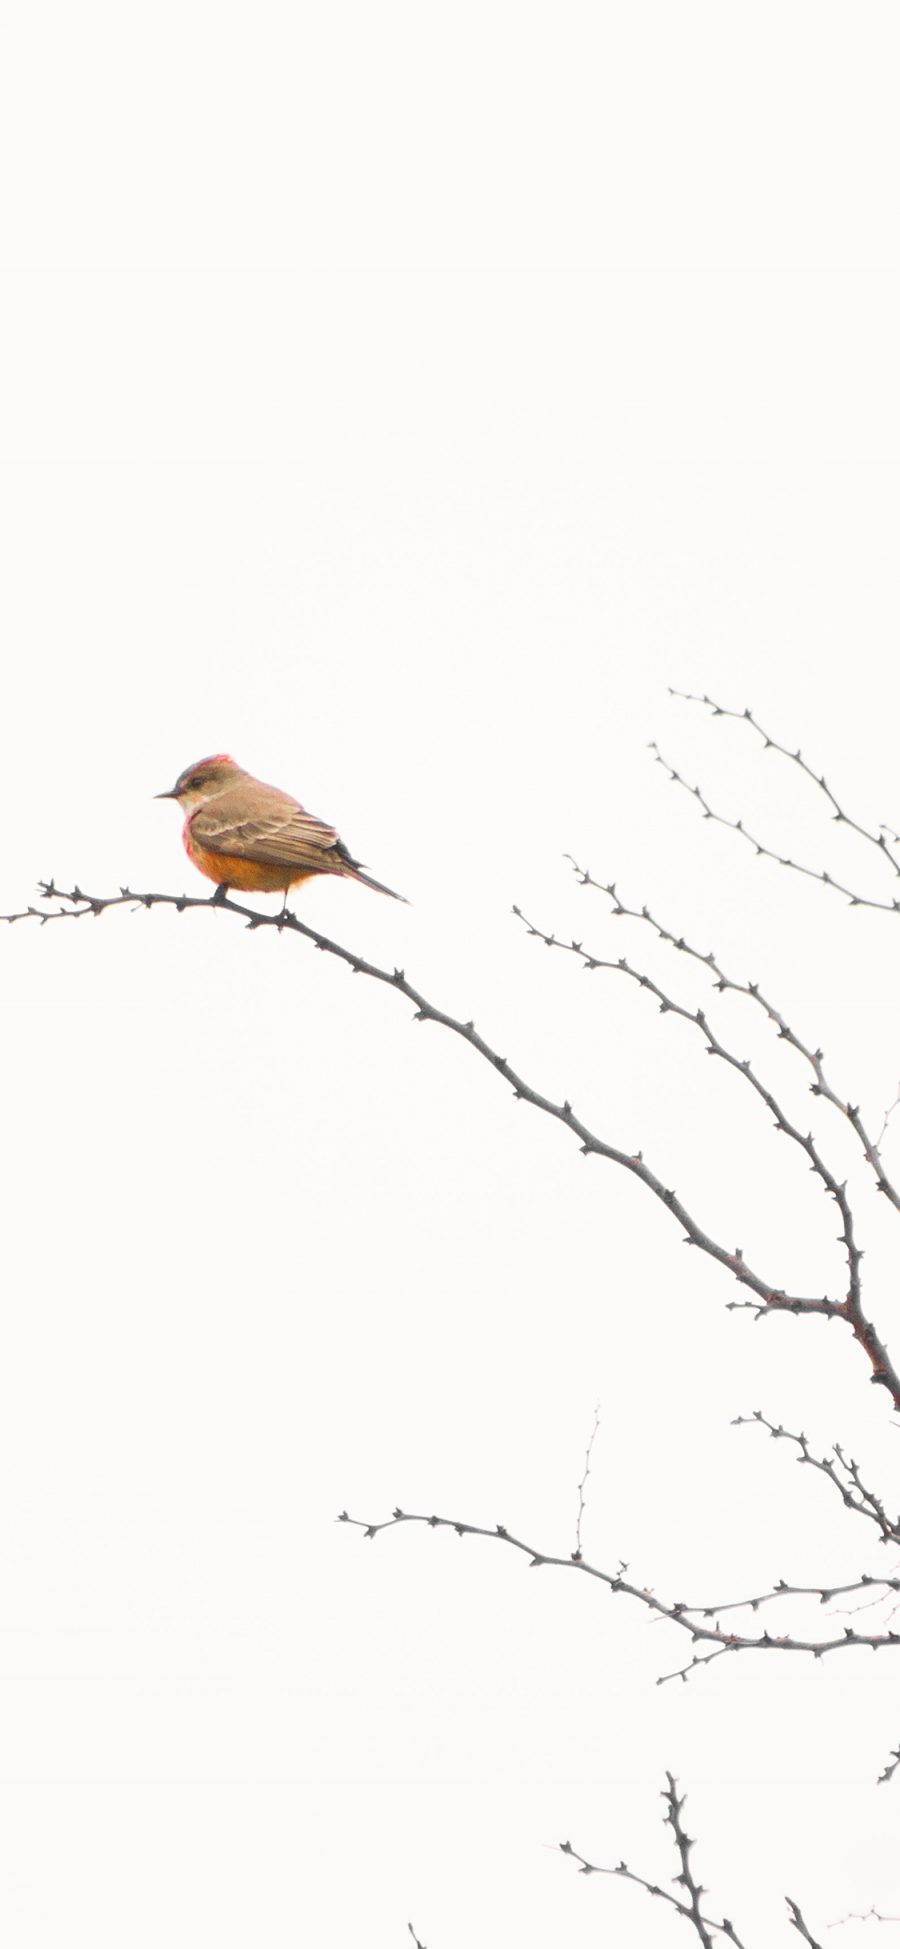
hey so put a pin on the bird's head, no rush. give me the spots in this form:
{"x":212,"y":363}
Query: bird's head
{"x":203,"y":781}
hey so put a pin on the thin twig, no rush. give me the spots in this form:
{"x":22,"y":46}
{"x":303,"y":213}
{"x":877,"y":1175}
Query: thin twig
{"x":583,"y":1483}
{"x":744,"y":1069}
{"x":820,"y":1593}
{"x":725,"y":983}
{"x":871,"y":1915}
{"x":887,"y":1118}
{"x":876,"y":839}
{"x":766,"y":852}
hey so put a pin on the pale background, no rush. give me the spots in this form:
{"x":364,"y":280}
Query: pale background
{"x":401,"y":397}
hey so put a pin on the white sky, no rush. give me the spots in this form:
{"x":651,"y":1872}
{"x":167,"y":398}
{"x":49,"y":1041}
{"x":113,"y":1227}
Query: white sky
{"x":401,"y":397}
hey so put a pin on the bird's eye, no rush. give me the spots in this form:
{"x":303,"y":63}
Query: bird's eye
{"x":196,"y":782}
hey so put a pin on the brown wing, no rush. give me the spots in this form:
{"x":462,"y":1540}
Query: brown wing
{"x":279,"y":833}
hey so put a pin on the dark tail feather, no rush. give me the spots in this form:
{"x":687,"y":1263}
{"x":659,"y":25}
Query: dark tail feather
{"x":377,"y":886}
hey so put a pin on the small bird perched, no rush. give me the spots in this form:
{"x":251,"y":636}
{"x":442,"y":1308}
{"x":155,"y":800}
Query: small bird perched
{"x":242,"y":833}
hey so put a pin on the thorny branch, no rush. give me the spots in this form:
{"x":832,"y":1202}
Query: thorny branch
{"x":698,"y":1621}
{"x":843,"y":1473}
{"x":799,"y":1924}
{"x":687,"y":1904}
{"x":783,"y":1123}
{"x":76,"y":905}
{"x":880,"y":840}
{"x":819,"y":1087}
{"x":852,"y":1309}
{"x":702,"y":1622}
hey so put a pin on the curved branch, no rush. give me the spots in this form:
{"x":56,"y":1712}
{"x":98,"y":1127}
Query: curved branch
{"x":76,"y":905}
{"x":688,"y":1617}
{"x":724,"y":983}
{"x":843,"y":1473}
{"x":714,"y":1047}
{"x":878,"y":839}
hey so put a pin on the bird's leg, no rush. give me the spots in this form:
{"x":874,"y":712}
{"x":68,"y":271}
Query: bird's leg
{"x":221,"y":893}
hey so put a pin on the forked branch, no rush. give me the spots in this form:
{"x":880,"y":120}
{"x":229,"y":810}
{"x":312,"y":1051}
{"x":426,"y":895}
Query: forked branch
{"x":700,"y":1622}
{"x":883,"y":840}
{"x":768,"y":1295}
{"x":688,"y":1902}
{"x":724,"y":984}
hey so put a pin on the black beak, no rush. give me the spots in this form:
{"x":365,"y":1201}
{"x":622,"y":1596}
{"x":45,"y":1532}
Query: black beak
{"x":165,"y":795}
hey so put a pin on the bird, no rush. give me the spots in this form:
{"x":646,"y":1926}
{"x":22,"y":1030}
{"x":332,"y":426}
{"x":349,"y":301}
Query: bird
{"x":254,"y":837}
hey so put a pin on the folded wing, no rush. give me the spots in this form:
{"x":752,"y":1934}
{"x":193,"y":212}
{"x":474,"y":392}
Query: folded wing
{"x":286,"y":836}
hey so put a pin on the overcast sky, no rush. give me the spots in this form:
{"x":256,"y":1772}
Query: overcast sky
{"x":401,"y":398}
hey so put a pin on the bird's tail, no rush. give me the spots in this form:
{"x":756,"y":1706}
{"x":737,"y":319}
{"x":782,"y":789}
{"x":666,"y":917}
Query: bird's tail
{"x":377,"y":886}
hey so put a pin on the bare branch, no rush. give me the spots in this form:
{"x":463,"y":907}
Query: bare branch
{"x":743,"y":1068}
{"x":771,"y":1298}
{"x":687,"y":1617}
{"x":767,"y":852}
{"x":871,"y":1915}
{"x":583,"y":1483}
{"x":674,"y":1809}
{"x":689,"y":1906}
{"x":843,"y":1473}
{"x":880,"y":839}
{"x":822,"y":1593}
{"x":852,"y":1308}
{"x":725,"y":983}
{"x":419,"y":1945}
{"x":799,"y":1924}
{"x":887,"y":1118}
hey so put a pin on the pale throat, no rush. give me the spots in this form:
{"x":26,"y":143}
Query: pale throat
{"x":192,"y":801}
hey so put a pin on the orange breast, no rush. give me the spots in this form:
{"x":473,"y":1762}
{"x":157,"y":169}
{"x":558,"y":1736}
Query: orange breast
{"x":250,"y":876}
